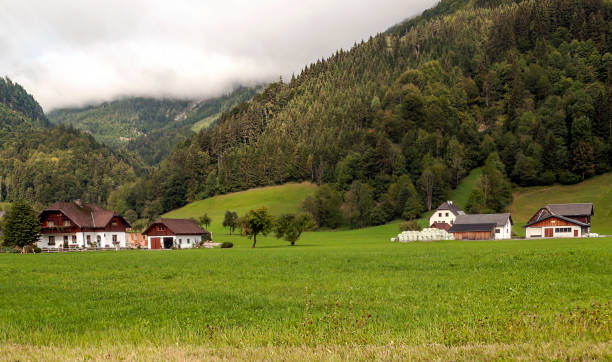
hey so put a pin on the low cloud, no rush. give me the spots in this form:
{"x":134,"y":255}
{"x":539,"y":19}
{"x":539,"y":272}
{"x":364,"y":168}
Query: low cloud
{"x":70,"y":53}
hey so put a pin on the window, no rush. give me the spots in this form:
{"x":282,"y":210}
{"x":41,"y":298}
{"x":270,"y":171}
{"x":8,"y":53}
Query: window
{"x":114,"y":239}
{"x":66,"y":222}
{"x":188,"y":241}
{"x":88,"y":239}
{"x":51,"y":240}
{"x":180,"y":241}
{"x":440,"y":214}
{"x":50,"y":223}
{"x":447,"y":214}
{"x":99,"y":239}
{"x":160,"y":228}
{"x":74,"y":239}
{"x":563,"y":230}
{"x":114,"y":222}
{"x":497,"y":231}
{"x":65,"y":239}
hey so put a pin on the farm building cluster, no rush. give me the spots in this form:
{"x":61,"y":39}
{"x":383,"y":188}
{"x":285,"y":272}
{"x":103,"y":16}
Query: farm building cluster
{"x":551,"y":221}
{"x":72,"y":225}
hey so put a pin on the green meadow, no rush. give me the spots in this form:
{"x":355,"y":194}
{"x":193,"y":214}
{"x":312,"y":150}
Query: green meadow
{"x":349,"y":294}
{"x":333,"y":289}
{"x":280,"y":199}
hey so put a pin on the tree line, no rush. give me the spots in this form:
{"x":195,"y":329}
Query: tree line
{"x":523,"y":89}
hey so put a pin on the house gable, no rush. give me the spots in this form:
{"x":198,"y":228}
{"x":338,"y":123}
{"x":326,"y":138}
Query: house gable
{"x":57,"y":221}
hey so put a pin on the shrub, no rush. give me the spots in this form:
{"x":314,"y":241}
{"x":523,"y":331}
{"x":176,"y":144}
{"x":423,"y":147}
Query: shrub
{"x":568,"y":178}
{"x":548,"y":178}
{"x":226,"y":245}
{"x":412,"y":225}
{"x":37,"y":250}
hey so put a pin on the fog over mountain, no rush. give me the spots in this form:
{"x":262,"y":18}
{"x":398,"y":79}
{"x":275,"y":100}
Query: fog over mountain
{"x":71,"y":53}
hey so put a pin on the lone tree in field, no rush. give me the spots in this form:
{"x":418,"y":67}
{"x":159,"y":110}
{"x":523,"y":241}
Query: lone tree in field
{"x":290,"y":227}
{"x":255,"y":222}
{"x":230,"y":221}
{"x":21,"y":226}
{"x":205,"y":221}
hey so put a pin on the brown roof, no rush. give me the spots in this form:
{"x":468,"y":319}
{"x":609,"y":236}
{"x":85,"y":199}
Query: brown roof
{"x":498,"y":219}
{"x":179,"y":226}
{"x":561,"y":217}
{"x":440,"y":225}
{"x":83,"y":214}
{"x":571,"y":209}
{"x":451,"y":206}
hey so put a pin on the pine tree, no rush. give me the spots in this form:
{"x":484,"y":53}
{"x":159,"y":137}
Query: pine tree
{"x":21,"y":225}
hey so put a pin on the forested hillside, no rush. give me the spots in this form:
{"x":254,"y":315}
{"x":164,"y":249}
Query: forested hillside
{"x":523,"y":88}
{"x":148,"y":127}
{"x":44,"y":164}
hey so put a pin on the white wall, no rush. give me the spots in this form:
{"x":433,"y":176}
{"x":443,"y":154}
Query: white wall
{"x":106,"y":239}
{"x":505,"y":232}
{"x":532,"y":232}
{"x":187,"y":241}
{"x":450,"y":219}
{"x":180,"y":241}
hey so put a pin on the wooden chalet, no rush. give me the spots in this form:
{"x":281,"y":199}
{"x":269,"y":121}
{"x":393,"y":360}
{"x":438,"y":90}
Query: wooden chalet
{"x":169,"y":233}
{"x":76,"y":224}
{"x":560,"y":221}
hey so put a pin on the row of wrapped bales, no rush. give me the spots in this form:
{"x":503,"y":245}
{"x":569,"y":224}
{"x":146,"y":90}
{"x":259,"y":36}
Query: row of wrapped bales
{"x":424,"y":235}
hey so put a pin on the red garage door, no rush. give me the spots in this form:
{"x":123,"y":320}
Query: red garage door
{"x":155,"y":243}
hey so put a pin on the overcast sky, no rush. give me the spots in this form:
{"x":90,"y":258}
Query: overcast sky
{"x":69,"y":53}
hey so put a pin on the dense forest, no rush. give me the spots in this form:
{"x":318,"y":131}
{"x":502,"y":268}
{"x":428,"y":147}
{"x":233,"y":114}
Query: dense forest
{"x":523,"y":88}
{"x":149,"y":127}
{"x":43,"y":164}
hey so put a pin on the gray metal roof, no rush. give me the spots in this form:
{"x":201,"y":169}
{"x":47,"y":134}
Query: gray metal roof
{"x":451,"y":206}
{"x":497,"y":219}
{"x":585,"y":209}
{"x":462,"y":228}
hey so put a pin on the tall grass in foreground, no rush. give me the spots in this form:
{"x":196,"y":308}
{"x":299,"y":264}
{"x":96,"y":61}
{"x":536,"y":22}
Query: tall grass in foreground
{"x":350,"y":287}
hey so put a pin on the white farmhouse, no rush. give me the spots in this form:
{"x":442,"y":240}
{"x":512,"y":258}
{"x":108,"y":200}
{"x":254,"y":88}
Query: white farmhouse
{"x":444,"y":216}
{"x":76,"y":224}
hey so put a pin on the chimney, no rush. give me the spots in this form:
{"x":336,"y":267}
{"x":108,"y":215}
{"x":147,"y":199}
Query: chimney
{"x":78,"y":203}
{"x":450,"y":202}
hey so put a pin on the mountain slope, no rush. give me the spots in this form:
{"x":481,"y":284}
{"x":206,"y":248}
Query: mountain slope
{"x":45,"y":164}
{"x":146,"y":126}
{"x":529,"y":83}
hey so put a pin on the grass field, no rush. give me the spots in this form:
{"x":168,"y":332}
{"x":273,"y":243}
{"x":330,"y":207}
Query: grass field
{"x":279,"y":199}
{"x":597,"y":190}
{"x":205,"y":123}
{"x":336,"y":295}
{"x":335,"y":289}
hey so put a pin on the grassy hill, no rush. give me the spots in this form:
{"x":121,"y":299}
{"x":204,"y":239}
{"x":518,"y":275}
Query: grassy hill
{"x":459,"y":195}
{"x":597,"y":190}
{"x":279,"y":199}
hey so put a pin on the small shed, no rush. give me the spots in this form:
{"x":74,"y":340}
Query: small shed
{"x":173,"y":233}
{"x":473,"y":231}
